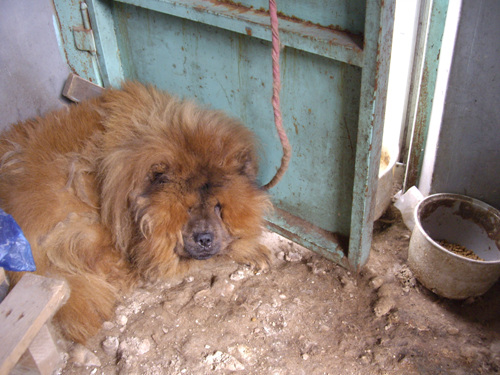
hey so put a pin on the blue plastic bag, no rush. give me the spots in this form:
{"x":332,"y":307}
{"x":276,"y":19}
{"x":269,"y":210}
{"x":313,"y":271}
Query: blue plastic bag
{"x":15,"y":250}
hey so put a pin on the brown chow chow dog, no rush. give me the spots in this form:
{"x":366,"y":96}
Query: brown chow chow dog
{"x":133,"y":185}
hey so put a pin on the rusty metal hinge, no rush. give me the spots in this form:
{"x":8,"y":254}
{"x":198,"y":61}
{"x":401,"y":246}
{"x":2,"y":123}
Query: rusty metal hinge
{"x":84,"y":37}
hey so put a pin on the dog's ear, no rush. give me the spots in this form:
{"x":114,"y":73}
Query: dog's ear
{"x":248,"y":164}
{"x":158,"y":174}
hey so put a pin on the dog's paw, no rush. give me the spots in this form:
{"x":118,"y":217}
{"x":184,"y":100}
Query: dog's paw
{"x":256,"y":255}
{"x":261,"y":258}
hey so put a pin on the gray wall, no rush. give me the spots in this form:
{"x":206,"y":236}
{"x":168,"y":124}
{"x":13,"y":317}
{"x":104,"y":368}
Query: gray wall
{"x":468,"y":155}
{"x":32,"y":71}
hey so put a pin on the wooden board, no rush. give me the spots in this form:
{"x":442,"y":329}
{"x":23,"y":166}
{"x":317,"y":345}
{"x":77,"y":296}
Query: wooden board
{"x":23,"y":313}
{"x":78,"y":89}
{"x":42,"y":357}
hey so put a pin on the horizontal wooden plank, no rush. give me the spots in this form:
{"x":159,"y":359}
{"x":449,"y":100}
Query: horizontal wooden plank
{"x":32,"y":302}
{"x":332,"y":246}
{"x":302,"y":35}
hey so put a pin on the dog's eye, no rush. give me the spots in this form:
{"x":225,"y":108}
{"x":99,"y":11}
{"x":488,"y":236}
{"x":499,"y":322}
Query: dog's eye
{"x":159,"y":178}
{"x":158,"y":174}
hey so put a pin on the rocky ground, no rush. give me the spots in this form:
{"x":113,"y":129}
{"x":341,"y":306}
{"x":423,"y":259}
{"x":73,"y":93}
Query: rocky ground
{"x":305,"y":315}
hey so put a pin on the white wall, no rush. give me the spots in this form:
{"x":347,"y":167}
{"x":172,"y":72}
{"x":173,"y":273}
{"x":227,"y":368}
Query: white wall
{"x":445,"y":59}
{"x":403,"y":44}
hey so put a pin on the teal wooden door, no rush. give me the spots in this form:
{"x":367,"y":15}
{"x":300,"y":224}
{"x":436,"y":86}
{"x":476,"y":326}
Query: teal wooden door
{"x":334,"y":68}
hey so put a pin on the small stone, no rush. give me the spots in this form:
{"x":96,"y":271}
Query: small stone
{"x":110,"y":345}
{"x":317,"y":268}
{"x":386,"y":290}
{"x":376,"y":282}
{"x":470,"y":352}
{"x":220,"y":360}
{"x":305,"y":356}
{"x":406,"y":278}
{"x":223,"y":288}
{"x":369,"y":272}
{"x":121,"y":320}
{"x":108,"y":326}
{"x":244,"y":353}
{"x":452,"y":331}
{"x":238,"y":275}
{"x":232,"y":364}
{"x":134,"y":346}
{"x":383,"y":306}
{"x":348,"y":284}
{"x":365,"y":359}
{"x":324,"y":328}
{"x":144,"y":347}
{"x":213,"y":358}
{"x":293,"y":257}
{"x":189,"y":279}
{"x":83,"y":357}
{"x":204,"y":298}
{"x":495,"y":350}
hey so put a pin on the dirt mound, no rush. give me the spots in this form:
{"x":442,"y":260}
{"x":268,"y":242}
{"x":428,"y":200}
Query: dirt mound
{"x":306,"y":315}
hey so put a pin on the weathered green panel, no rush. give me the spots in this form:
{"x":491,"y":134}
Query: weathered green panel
{"x":184,"y":57}
{"x":377,"y":52}
{"x":332,"y":97}
{"x":70,"y":17}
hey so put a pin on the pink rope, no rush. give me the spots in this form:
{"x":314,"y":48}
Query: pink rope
{"x":287,"y":149}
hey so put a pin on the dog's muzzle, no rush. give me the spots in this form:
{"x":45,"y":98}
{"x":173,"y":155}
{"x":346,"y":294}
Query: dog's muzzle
{"x":203,"y":246}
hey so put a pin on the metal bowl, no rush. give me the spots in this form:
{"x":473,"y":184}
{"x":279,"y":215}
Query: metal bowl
{"x":460,"y":220}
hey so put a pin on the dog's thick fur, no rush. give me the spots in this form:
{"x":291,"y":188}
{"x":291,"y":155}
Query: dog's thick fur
{"x":133,"y":185}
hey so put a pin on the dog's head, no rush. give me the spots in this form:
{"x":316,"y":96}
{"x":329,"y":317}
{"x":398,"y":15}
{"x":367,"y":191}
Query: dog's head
{"x":177,"y":182}
{"x":195,"y":196}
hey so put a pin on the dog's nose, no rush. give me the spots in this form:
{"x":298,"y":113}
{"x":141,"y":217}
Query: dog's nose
{"x":204,"y":239}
